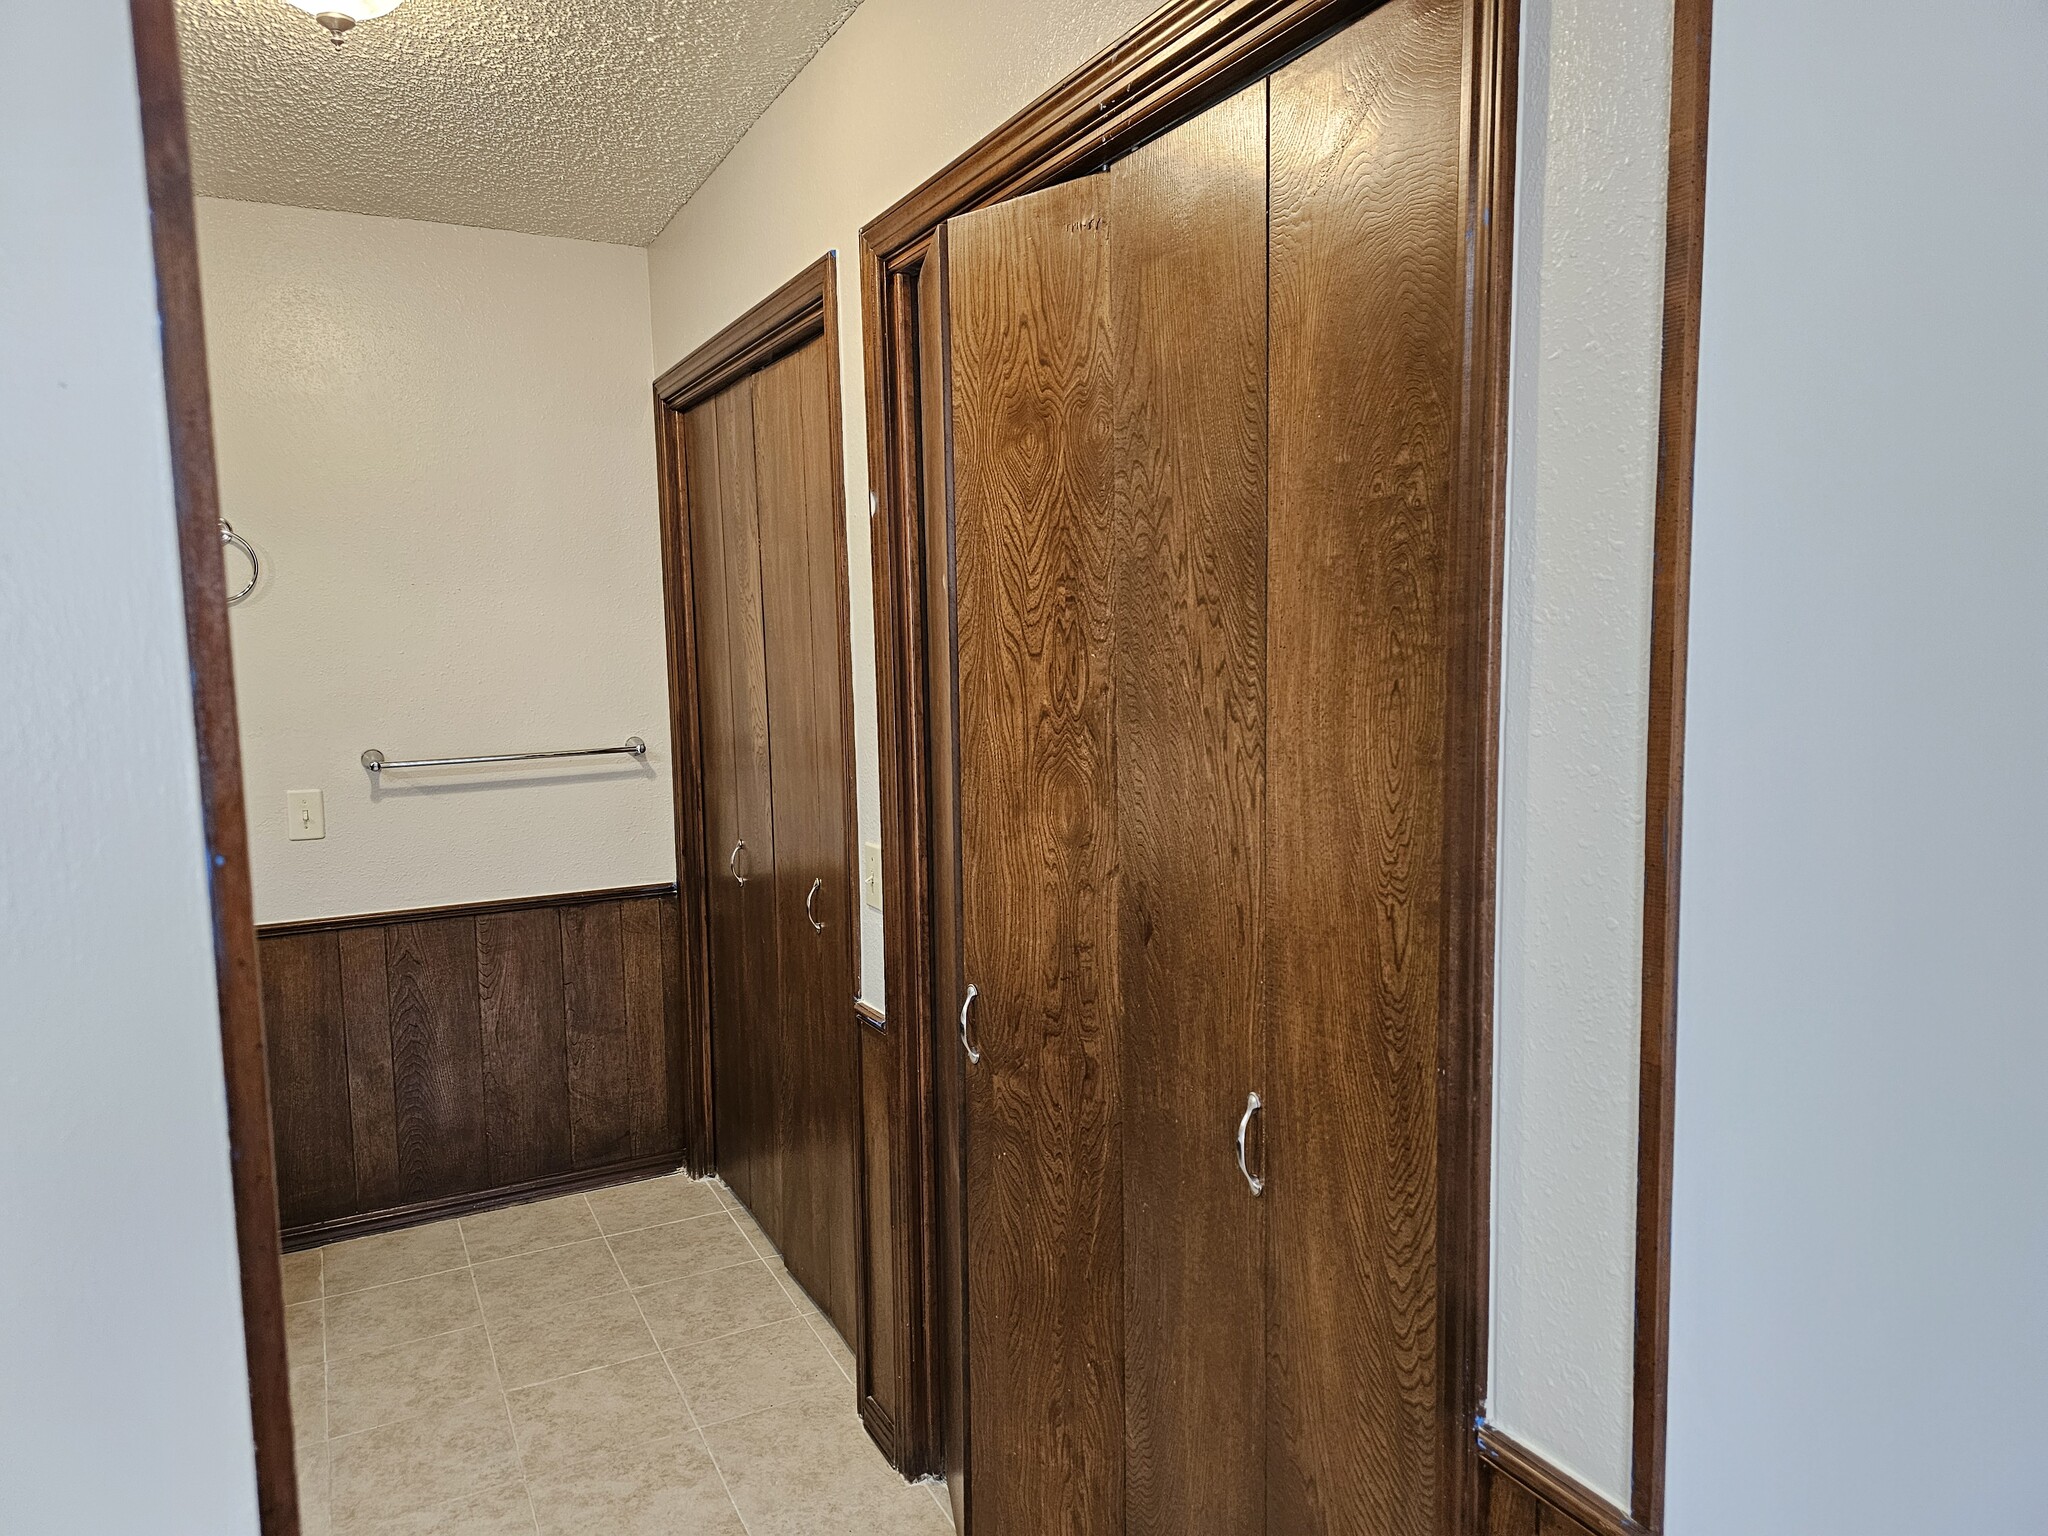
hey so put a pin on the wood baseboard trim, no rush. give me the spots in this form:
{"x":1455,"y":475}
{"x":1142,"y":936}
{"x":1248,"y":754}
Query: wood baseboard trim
{"x":460,"y":909}
{"x":1549,"y":1484}
{"x":318,"y":1234}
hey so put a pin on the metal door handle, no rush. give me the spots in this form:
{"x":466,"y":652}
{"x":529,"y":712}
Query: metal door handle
{"x":966,"y":1005}
{"x":811,"y":896}
{"x":733,"y":863}
{"x":1244,"y":1124}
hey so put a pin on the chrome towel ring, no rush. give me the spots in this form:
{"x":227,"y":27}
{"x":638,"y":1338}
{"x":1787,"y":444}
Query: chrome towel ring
{"x":229,"y":536}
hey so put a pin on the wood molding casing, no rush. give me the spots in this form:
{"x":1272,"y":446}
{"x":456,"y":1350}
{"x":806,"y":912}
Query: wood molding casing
{"x":168,"y":164}
{"x":1558,"y":1491}
{"x":1677,"y":420}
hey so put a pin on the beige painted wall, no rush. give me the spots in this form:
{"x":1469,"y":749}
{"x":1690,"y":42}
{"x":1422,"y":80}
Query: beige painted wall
{"x":904,"y":87}
{"x":124,"y":1398}
{"x":440,"y":441}
{"x":1589,"y":289}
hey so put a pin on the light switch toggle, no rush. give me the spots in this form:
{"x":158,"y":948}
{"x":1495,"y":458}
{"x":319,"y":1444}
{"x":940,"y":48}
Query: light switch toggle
{"x":305,"y":817}
{"x":871,"y":874}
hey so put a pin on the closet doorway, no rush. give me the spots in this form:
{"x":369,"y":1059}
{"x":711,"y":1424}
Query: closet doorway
{"x":761,"y":685}
{"x":1196,"y":561}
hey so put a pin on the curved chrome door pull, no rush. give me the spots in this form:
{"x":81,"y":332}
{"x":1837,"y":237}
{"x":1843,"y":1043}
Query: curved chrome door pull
{"x":967,"y":1004}
{"x":811,"y":896}
{"x":1251,"y":1107}
{"x":733,"y":863}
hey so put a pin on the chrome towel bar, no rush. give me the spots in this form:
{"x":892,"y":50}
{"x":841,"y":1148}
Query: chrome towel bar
{"x":376,"y":762}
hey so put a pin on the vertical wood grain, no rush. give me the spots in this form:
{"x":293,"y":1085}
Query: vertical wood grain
{"x":372,"y":1094}
{"x":308,"y":1049}
{"x":810,"y":1036}
{"x":1188,"y":294}
{"x":437,"y":1057}
{"x":525,"y":1043}
{"x":1031,"y":395}
{"x":649,"y":1026}
{"x":1366,"y":333}
{"x":600,"y":1052}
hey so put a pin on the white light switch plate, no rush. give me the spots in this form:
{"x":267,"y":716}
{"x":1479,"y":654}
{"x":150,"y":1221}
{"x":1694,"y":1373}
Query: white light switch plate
{"x":871,"y":874}
{"x":305,"y":817}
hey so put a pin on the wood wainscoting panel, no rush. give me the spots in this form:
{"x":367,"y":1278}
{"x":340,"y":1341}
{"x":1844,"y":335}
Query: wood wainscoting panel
{"x":1512,"y":1510}
{"x":523,"y":1004}
{"x":437,"y":1071}
{"x":424,"y":1061}
{"x":316,"y":1162}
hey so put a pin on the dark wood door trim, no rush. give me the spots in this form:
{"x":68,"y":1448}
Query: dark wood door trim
{"x":167,"y":155}
{"x":1678,"y":411}
{"x":1185,"y":57}
{"x":1557,"y":1491}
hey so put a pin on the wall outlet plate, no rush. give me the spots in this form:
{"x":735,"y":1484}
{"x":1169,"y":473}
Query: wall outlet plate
{"x":305,"y":815}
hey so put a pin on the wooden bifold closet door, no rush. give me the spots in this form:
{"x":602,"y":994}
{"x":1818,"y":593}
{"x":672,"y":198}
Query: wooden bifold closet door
{"x":764,"y":526}
{"x":1203,"y":413}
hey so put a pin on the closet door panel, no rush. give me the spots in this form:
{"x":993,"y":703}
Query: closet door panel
{"x":721,"y":492}
{"x":817,"y":1070}
{"x":1188,"y":292}
{"x":1365,"y":405}
{"x":1031,"y":406}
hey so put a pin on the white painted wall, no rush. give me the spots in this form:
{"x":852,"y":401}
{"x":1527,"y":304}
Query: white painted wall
{"x":123,"y":1395}
{"x":902,"y":88}
{"x":441,"y":442}
{"x":1589,"y":270}
{"x":1860,"y":1242}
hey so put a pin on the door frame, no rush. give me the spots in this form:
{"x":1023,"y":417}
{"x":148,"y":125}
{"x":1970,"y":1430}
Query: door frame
{"x":167,"y":158}
{"x":801,"y":311}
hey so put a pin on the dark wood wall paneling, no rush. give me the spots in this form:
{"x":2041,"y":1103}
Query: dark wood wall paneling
{"x":422,"y":1062}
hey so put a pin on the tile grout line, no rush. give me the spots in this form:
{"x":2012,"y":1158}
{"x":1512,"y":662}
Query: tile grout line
{"x":504,"y":1397}
{"x":696,"y":1426}
{"x":524,"y":1253}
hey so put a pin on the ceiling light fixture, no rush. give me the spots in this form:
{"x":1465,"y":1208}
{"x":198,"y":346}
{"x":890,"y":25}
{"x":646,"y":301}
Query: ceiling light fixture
{"x":339,"y":16}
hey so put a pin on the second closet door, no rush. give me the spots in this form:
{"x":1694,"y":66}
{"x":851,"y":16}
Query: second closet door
{"x":765,"y":552}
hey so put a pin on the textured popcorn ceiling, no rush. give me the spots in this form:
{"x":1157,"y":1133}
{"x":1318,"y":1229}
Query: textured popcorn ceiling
{"x":593,"y":119}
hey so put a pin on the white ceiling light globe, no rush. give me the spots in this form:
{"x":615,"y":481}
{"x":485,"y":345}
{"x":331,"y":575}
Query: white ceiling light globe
{"x":338,"y":16}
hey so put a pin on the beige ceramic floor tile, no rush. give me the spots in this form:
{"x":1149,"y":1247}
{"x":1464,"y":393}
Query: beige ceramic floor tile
{"x":723,"y":1191}
{"x":664,"y":1488}
{"x":575,"y":1416}
{"x":808,"y":1468}
{"x":303,"y":1332}
{"x":390,"y":1256}
{"x":382,"y":1386}
{"x":309,"y":1402}
{"x":396,"y":1314}
{"x":841,"y":1353}
{"x":654,"y":1254}
{"x":422,"y":1462}
{"x":527,"y":1228}
{"x":713,"y":1304}
{"x":751,"y":1230}
{"x":536,"y":1344}
{"x":797,"y":1293}
{"x":497,"y":1512}
{"x":548,"y":1278}
{"x":312,"y":1470}
{"x":651,"y":1202}
{"x":942,"y":1498}
{"x":301,"y":1276}
{"x":760,"y":1368}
